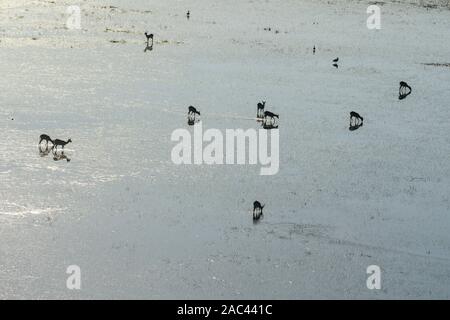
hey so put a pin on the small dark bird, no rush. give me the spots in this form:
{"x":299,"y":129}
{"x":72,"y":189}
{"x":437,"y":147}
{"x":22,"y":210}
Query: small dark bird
{"x":188,"y":14}
{"x":314,"y":50}
{"x":46,"y":138}
{"x":257,"y":210}
{"x":336,"y":60}
{"x":335,"y":65}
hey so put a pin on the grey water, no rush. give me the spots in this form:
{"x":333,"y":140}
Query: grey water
{"x":139,"y":226}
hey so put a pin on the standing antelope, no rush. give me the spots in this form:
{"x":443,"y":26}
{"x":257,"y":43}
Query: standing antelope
{"x":149,"y":36}
{"x":257,"y":210}
{"x":358,"y":119}
{"x":269,"y":120}
{"x":260,"y":109}
{"x":193,"y":111}
{"x":46,"y":138}
{"x":148,"y":47}
{"x":191,"y":115}
{"x":268,"y":114}
{"x":62,"y":143}
{"x":404,"y":90}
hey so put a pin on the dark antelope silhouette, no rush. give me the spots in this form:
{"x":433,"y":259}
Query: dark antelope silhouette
{"x":46,"y":138}
{"x":257,"y":210}
{"x":192,"y":112}
{"x":149,"y":46}
{"x":260,"y":110}
{"x":404,"y":90}
{"x":270,"y":115}
{"x":62,"y":143}
{"x":336,"y":60}
{"x":149,"y":36}
{"x":355,"y":120}
{"x":269,"y":120}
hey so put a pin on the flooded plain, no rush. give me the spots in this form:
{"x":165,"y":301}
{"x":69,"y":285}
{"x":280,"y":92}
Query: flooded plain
{"x":140,"y":226}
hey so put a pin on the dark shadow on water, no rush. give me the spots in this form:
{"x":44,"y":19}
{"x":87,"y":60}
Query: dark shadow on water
{"x":269,"y":122}
{"x":58,"y":156}
{"x":256,"y":221}
{"x":192,"y":120}
{"x":269,"y":126}
{"x":355,"y":127}
{"x":403,"y":96}
{"x":148,"y":48}
{"x":43,"y":152}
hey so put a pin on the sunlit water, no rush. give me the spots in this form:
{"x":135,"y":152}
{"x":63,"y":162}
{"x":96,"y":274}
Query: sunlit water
{"x":141,"y":227}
